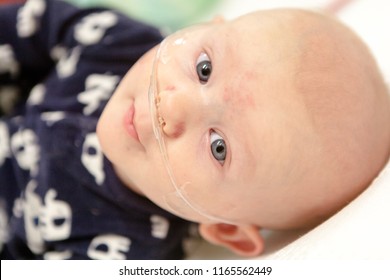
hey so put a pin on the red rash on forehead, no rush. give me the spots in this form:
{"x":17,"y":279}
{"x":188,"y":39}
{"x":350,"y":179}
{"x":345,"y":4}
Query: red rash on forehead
{"x":240,"y":94}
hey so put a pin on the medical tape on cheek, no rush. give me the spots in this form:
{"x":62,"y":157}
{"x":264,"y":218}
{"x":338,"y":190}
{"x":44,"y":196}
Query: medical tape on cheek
{"x":177,"y":200}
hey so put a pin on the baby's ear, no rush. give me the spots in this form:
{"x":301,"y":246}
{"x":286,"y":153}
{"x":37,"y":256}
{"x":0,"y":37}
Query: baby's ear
{"x":244,"y":240}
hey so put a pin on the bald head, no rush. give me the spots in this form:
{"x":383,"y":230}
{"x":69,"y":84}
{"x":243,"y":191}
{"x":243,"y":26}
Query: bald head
{"x":329,"y":115}
{"x":348,"y":107}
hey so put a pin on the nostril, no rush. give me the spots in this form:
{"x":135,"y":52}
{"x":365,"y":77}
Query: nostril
{"x":161,"y":121}
{"x":172,"y":114}
{"x":174,"y":130}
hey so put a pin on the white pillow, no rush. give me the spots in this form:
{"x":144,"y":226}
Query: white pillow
{"x":359,"y":231}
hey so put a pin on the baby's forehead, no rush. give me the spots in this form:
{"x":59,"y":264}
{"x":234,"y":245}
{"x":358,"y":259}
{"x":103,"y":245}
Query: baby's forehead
{"x":241,"y":94}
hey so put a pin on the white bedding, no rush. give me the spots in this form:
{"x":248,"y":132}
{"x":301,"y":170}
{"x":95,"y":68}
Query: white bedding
{"x":362,"y":229}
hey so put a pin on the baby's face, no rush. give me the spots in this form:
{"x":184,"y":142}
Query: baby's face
{"x":229,"y":129}
{"x":238,"y":136}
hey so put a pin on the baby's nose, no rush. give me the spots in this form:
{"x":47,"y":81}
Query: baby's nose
{"x":175,"y":112}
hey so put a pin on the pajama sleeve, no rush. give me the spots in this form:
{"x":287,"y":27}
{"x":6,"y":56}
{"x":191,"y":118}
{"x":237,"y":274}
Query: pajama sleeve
{"x":63,"y":198}
{"x":41,"y":35}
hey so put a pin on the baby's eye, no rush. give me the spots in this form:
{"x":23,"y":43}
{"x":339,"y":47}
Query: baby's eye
{"x":203,"y":68}
{"x":218,"y":147}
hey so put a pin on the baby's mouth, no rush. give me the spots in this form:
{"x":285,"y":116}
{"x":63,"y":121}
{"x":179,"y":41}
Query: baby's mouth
{"x":129,"y":121}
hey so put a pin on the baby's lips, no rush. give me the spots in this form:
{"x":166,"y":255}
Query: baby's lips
{"x":143,"y":123}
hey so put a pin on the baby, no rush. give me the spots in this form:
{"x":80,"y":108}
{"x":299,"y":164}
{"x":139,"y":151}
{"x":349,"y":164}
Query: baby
{"x":274,"y":120}
{"x":293,"y":100}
